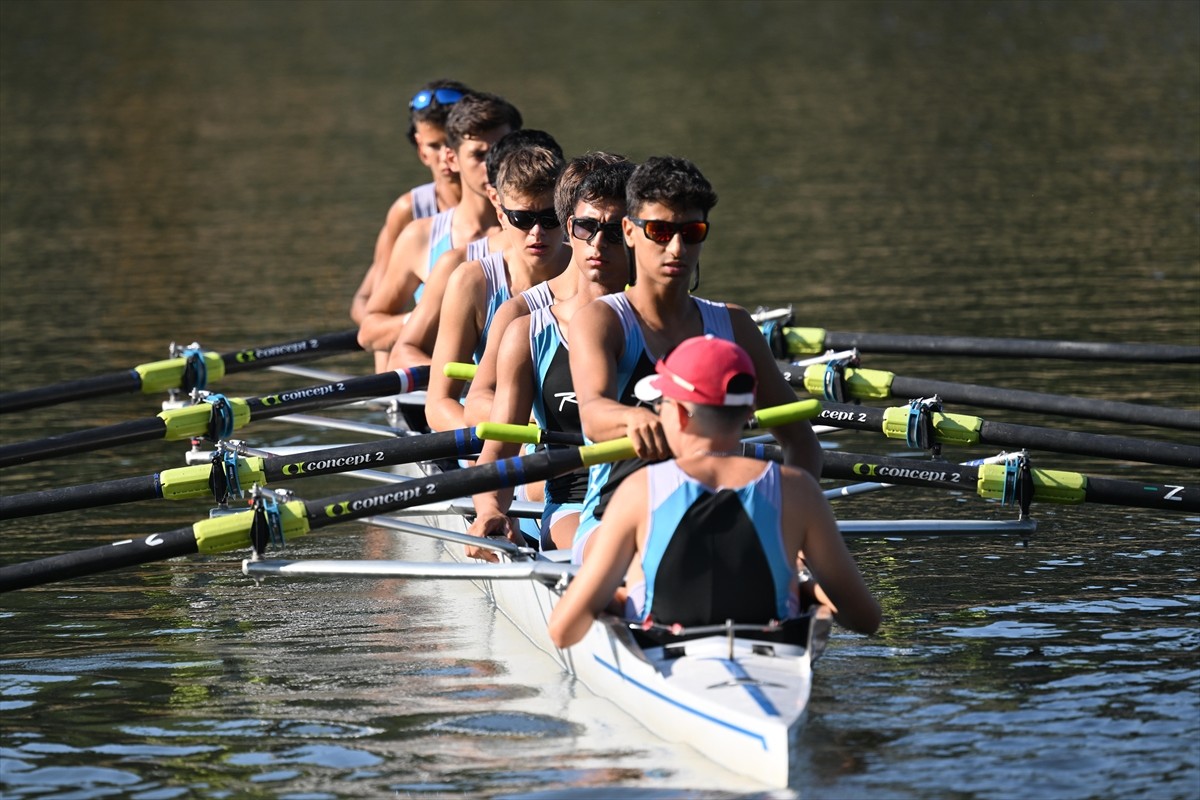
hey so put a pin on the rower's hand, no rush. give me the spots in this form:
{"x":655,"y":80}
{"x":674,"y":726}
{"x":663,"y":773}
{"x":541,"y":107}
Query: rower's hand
{"x":645,"y":430}
{"x":494,"y":525}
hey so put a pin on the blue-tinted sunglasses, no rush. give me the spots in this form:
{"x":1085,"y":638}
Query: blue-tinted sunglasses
{"x":423,"y":98}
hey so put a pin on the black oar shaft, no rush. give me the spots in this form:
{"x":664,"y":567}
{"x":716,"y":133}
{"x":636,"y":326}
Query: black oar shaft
{"x":1009,"y":348}
{"x":1043,"y":403}
{"x":300,"y":350}
{"x":118,"y":555}
{"x":425,"y":447}
{"x":140,"y":430}
{"x":73,"y":498}
{"x":182,"y":423}
{"x":1148,"y":451}
{"x":330,"y":394}
{"x":82,"y":389}
{"x":163,"y":375}
{"x":458,"y":483}
{"x":191,"y":482}
{"x":228,"y":533}
{"x":871,"y":384}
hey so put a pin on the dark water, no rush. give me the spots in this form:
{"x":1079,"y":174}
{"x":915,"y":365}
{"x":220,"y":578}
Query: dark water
{"x":217,"y":172}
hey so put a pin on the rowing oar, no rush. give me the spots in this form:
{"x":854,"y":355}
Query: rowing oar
{"x":192,"y":370}
{"x":837,"y":382}
{"x":789,"y":341}
{"x":995,"y":481}
{"x":921,"y":427}
{"x":215,"y":418}
{"x":273,"y":521}
{"x":772,"y":417}
{"x":224,"y":477}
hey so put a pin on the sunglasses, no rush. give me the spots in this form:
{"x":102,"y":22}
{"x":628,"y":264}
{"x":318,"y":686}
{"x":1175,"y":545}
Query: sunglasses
{"x":586,"y":228}
{"x":423,"y":98}
{"x":663,"y":232}
{"x":525,"y":220}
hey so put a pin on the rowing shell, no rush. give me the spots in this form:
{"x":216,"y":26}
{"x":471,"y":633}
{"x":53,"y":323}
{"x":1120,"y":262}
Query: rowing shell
{"x":736,"y":694}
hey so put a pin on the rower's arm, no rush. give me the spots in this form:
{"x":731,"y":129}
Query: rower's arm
{"x":482,"y":394}
{"x":392,"y":292}
{"x":611,"y":550}
{"x":596,"y":343}
{"x":809,"y":526}
{"x":414,"y":345}
{"x":514,"y":402}
{"x":799,"y":443}
{"x":398,"y":216}
{"x":458,"y":333}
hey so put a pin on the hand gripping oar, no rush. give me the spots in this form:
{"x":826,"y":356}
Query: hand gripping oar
{"x":789,"y":341}
{"x":216,"y":418}
{"x":221,"y":478}
{"x":531,"y":434}
{"x":922,"y":427}
{"x":838,"y":382}
{"x":192,"y":370}
{"x":297,"y":517}
{"x":996,"y":481}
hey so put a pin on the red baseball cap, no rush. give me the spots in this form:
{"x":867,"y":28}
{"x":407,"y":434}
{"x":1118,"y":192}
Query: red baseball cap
{"x":700,"y":370}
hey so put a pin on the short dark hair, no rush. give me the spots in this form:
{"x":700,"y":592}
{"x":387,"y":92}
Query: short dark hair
{"x":606,"y":183}
{"x":511,"y":141}
{"x":675,"y":182}
{"x":566,"y":192}
{"x":476,"y":114}
{"x":529,"y":171}
{"x":435,"y":113}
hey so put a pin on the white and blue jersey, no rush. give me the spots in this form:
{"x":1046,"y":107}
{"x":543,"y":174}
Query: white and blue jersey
{"x":713,"y":554}
{"x":634,"y":362}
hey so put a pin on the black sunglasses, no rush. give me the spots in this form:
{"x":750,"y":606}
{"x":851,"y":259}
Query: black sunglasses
{"x":586,"y":228}
{"x":525,"y":220}
{"x":657,"y":230}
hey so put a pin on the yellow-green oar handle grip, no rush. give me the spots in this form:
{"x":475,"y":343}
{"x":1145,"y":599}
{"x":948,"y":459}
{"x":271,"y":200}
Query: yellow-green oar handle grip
{"x":158,"y":376}
{"x":615,"y":450}
{"x":506,"y":432}
{"x":459,"y":371}
{"x":787,"y":413}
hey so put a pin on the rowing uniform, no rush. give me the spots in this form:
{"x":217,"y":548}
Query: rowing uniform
{"x":633,"y":363}
{"x":554,"y":408}
{"x":477,"y":249}
{"x":440,"y":241}
{"x":424,"y":200}
{"x":495,"y":273}
{"x":713,"y":555}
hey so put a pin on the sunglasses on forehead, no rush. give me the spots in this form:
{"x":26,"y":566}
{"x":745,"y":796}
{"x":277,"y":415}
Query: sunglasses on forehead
{"x":663,"y":232}
{"x":525,"y":220}
{"x":423,"y":98}
{"x":586,"y":228}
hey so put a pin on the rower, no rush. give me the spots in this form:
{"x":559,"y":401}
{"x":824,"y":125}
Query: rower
{"x":534,"y":252}
{"x":427,"y":112}
{"x":617,"y":339}
{"x":478,"y":406}
{"x":475,"y":123}
{"x":414,"y":346}
{"x":532,"y":358}
{"x":711,"y":536}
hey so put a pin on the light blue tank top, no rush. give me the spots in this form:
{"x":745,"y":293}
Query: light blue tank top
{"x":497,"y":292}
{"x":672,"y":495}
{"x":633,"y":363}
{"x":439,"y":242}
